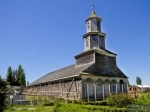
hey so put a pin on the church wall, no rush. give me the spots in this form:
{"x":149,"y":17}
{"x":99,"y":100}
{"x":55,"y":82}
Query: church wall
{"x":101,"y":66}
{"x":102,"y":63}
{"x":60,"y":89}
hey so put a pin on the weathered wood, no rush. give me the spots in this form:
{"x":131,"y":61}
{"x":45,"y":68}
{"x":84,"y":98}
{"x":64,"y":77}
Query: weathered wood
{"x":109,"y":87}
{"x":95,"y":91}
{"x":116,"y":88}
{"x":70,"y":86}
{"x":88,"y":92}
{"x":103,"y":91}
{"x":122,"y":87}
{"x":76,"y":89}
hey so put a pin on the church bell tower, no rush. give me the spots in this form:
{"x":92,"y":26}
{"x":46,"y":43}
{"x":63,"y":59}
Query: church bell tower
{"x":93,"y":37}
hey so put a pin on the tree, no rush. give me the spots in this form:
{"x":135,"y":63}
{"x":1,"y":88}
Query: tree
{"x":21,"y":76}
{"x":3,"y":90}
{"x":13,"y":77}
{"x":138,"y":81}
{"x":129,"y":84}
{"x":17,"y":76}
{"x":9,"y":76}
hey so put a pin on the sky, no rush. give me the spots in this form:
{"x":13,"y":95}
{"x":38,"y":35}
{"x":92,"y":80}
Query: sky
{"x":45,"y":35}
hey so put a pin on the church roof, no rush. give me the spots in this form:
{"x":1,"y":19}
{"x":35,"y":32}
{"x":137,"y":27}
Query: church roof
{"x":93,"y":14}
{"x":95,"y":49}
{"x":66,"y":72}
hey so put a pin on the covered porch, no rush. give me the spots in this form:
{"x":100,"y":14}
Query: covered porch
{"x":100,"y":88}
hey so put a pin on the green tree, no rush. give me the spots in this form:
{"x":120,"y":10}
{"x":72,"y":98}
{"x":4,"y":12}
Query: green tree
{"x":9,"y":76}
{"x":129,"y":84}
{"x":3,"y":90}
{"x":13,"y":77}
{"x":138,"y":81}
{"x":21,"y":76}
{"x":17,"y":76}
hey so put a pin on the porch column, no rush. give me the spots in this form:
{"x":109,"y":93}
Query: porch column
{"x":95,"y":91}
{"x":109,"y":88}
{"x":103,"y":91}
{"x":88,"y":92}
{"x":122,"y":87}
{"x":116,"y":88}
{"x":62,"y":84}
{"x":127,"y":87}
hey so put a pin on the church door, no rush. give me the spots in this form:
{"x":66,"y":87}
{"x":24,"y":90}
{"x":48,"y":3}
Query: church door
{"x":99,"y":91}
{"x":113,"y":89}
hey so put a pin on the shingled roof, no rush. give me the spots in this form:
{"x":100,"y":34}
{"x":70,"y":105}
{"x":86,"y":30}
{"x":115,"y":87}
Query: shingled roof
{"x":62,"y":73}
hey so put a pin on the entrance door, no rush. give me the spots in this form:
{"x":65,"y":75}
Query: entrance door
{"x":99,"y":91}
{"x":113,"y":89}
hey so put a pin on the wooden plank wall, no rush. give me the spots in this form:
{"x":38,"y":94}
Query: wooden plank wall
{"x":68,"y":90}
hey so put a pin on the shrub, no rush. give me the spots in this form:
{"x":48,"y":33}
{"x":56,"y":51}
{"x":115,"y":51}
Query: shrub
{"x":119,"y":100}
{"x":143,"y":99}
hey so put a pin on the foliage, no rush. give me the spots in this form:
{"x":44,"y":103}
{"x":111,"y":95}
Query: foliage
{"x":119,"y":100}
{"x":9,"y":76}
{"x":138,"y":81}
{"x":29,"y":109}
{"x":129,"y":84}
{"x":143,"y":99}
{"x":3,"y":90}
{"x":71,"y":107}
{"x":21,"y":76}
{"x":13,"y":77}
{"x":102,"y":103}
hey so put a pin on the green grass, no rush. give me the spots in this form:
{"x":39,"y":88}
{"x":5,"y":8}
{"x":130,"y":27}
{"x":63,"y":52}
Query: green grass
{"x":29,"y":109}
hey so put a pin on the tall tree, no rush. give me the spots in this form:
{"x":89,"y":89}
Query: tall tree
{"x":129,"y":84}
{"x":21,"y":76}
{"x":138,"y":81}
{"x":17,"y":76}
{"x":3,"y":90}
{"x":9,"y":76}
{"x":14,"y":77}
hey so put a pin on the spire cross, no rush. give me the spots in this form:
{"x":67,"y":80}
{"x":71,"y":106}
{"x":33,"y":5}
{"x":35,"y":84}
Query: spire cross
{"x":92,"y":6}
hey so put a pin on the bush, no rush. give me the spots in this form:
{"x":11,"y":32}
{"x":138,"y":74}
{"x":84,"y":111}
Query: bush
{"x":103,"y":103}
{"x":119,"y":100}
{"x":143,"y":99}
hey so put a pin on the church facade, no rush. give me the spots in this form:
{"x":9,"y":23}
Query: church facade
{"x":94,"y":75}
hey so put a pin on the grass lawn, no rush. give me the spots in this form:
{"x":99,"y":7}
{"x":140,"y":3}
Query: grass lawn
{"x":29,"y":109}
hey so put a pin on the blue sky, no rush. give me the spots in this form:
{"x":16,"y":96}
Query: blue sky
{"x":45,"y":35}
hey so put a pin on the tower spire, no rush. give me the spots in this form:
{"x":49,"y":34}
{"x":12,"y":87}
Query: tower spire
{"x":92,"y":7}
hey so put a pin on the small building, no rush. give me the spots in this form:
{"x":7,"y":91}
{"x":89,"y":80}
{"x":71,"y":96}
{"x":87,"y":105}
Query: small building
{"x":94,"y":75}
{"x":144,"y":88}
{"x":134,"y":88}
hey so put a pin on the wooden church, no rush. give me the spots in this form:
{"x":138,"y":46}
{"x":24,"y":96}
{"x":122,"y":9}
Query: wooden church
{"x":94,"y":75}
